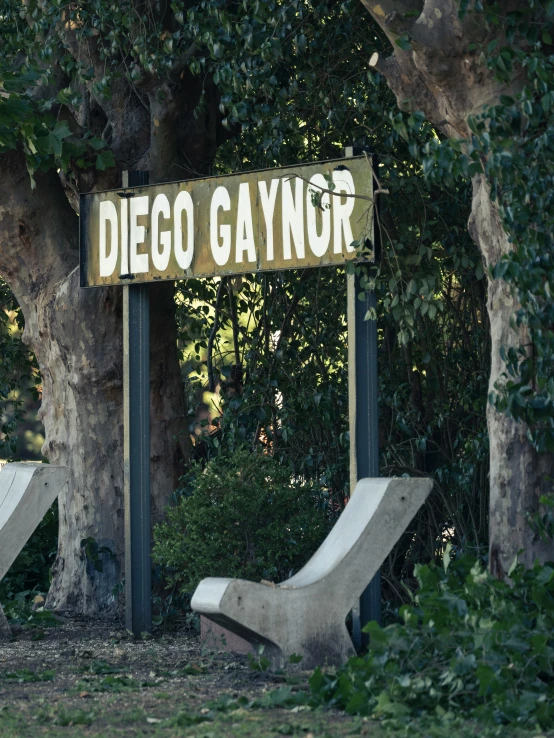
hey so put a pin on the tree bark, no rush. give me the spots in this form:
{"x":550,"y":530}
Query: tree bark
{"x":519,"y":475}
{"x":441,"y":74}
{"x":76,"y":336}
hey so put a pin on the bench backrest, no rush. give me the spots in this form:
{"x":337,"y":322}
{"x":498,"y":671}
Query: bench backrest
{"x":373,"y":520}
{"x":27,"y":489}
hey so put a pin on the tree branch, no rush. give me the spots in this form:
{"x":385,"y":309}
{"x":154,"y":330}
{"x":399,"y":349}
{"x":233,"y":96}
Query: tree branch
{"x":234,"y":323}
{"x":213,"y":333}
{"x":324,"y":190}
{"x":38,"y":229}
{"x":395,"y":17}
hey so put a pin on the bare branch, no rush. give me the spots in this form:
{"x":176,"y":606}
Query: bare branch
{"x":396,"y":17}
{"x":213,"y":333}
{"x":234,"y":323}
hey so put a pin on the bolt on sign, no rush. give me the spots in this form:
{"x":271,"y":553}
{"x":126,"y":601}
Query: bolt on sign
{"x":302,"y":216}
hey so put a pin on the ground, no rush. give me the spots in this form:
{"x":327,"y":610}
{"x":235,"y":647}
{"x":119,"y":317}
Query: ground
{"x":88,"y":679}
{"x":91,"y":679}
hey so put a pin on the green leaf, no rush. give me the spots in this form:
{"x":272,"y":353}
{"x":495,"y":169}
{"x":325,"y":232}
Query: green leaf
{"x":403,"y":43}
{"x":486,"y":677}
{"x":105,"y":160}
{"x":54,"y":138}
{"x":96,"y":143}
{"x":295,"y":658}
{"x":301,"y":43}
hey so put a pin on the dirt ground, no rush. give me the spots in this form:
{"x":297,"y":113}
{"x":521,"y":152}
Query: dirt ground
{"x":88,"y":679}
{"x":91,"y":679}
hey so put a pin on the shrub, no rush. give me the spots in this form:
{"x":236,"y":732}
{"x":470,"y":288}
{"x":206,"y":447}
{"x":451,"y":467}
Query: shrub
{"x":469,"y":645}
{"x":30,"y":572}
{"x":242,"y":516}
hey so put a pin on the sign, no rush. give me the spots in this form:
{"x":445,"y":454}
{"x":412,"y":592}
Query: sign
{"x":294,"y":217}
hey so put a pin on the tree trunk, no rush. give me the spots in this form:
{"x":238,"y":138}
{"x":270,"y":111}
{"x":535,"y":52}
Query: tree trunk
{"x":519,"y":475}
{"x":442,"y":75}
{"x":76,"y":336}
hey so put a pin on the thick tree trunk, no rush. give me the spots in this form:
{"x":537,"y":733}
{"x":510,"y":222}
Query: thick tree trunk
{"x":442,"y":75}
{"x":77,"y":337}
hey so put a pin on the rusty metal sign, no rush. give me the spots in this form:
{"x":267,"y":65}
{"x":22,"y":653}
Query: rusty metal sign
{"x":288,"y":218}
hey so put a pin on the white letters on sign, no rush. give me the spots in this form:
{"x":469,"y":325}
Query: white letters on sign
{"x":268,"y":206}
{"x":293,"y":217}
{"x":160,"y":209}
{"x":245,"y":231}
{"x":184,"y":204}
{"x":138,"y":262}
{"x":271,"y":220}
{"x":343,"y":210}
{"x":220,"y":236}
{"x":108,"y":262}
{"x":319,"y":243}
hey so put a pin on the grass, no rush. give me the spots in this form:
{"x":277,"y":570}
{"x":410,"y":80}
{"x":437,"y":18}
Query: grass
{"x":161,"y":718}
{"x":81,"y":682}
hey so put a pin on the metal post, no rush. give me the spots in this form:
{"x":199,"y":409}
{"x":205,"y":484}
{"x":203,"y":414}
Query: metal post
{"x":364,"y":416}
{"x":367,"y":426}
{"x":136,"y":465}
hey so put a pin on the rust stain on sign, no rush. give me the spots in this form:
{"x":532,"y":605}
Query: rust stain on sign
{"x":294,"y":217}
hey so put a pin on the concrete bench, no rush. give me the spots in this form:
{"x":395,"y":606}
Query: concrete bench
{"x":27,"y":490}
{"x":305,"y":615}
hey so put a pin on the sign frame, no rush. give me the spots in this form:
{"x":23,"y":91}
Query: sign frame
{"x":295,"y":217}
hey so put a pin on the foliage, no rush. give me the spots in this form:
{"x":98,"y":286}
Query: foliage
{"x":99,"y":667}
{"x":111,"y":683}
{"x":26,"y":121}
{"x":274,"y":346}
{"x":29,"y":575}
{"x":27,"y":675}
{"x":468,"y":645}
{"x":542,"y":521}
{"x":243,"y":515}
{"x":287,"y":335}
{"x":93,"y":552}
{"x":22,"y":611}
{"x":18,"y":371}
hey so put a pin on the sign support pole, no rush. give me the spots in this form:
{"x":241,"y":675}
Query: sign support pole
{"x":364,"y":415}
{"x":136,"y":454}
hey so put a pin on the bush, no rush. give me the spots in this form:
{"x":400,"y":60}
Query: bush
{"x":242,"y":516}
{"x":30,"y":572}
{"x":469,"y":645}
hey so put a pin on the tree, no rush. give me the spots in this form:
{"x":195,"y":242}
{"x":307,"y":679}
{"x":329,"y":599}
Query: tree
{"x":69,"y":100}
{"x":466,"y":69}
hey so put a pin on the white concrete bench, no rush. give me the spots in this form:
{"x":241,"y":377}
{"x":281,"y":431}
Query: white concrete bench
{"x":27,"y":490}
{"x":306,"y":614}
